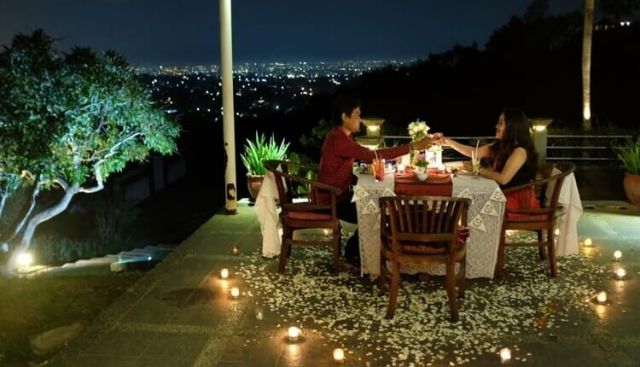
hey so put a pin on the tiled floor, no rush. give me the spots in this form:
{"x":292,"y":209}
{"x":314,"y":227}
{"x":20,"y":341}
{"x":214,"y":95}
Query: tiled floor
{"x":180,"y":314}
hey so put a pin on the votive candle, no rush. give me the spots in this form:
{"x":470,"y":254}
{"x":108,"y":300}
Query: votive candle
{"x":224,"y":273}
{"x":588,"y":242}
{"x":235,"y":249}
{"x":602,"y":297}
{"x":505,"y":355}
{"x":293,"y":333}
{"x":235,"y":292}
{"x":621,"y":273}
{"x":617,"y":255}
{"x":338,"y":355}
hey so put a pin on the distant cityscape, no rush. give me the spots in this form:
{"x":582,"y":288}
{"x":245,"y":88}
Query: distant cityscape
{"x":259,"y":87}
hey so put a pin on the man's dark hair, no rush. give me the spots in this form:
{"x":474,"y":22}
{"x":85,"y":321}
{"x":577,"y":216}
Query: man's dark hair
{"x":344,"y":103}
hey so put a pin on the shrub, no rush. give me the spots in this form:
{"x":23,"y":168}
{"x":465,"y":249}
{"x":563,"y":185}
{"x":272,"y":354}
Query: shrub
{"x":260,"y":150}
{"x":630,"y":157}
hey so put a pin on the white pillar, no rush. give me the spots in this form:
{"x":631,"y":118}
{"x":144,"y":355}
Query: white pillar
{"x":228,"y":117}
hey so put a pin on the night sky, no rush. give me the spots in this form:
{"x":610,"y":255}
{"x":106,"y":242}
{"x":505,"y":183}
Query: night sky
{"x":171,"y":32}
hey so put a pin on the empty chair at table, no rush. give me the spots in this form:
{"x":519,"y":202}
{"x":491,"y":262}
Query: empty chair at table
{"x":423,"y":230}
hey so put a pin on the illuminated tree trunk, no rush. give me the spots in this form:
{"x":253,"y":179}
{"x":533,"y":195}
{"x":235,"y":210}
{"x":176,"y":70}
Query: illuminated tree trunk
{"x":587,"y":36}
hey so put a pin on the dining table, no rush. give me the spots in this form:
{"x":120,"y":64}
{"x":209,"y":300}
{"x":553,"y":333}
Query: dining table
{"x":484,"y":217}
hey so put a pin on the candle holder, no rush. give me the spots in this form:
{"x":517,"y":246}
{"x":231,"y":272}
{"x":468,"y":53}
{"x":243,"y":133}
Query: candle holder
{"x":588,"y":242}
{"x":338,"y":356}
{"x":601,"y":298}
{"x":621,"y":273}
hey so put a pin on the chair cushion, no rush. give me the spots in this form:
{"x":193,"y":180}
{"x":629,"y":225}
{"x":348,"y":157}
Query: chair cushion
{"x":307,"y":215}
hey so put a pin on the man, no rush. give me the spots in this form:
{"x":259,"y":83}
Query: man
{"x":339,"y":151}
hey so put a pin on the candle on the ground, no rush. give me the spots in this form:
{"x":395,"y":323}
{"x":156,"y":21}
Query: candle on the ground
{"x":293,"y":333}
{"x":602,"y":297}
{"x":617,"y":255}
{"x":235,"y":292}
{"x":224,"y":273}
{"x":505,"y":355}
{"x":338,"y":355}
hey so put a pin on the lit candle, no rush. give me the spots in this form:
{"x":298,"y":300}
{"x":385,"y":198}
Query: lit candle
{"x":293,"y":333}
{"x":338,"y":355}
{"x":617,"y":255}
{"x":235,"y":249}
{"x":621,"y":273}
{"x":588,"y":242}
{"x":259,"y":313}
{"x":235,"y":292}
{"x":505,"y":355}
{"x":557,"y":232}
{"x":224,"y":273}
{"x":602,"y":297}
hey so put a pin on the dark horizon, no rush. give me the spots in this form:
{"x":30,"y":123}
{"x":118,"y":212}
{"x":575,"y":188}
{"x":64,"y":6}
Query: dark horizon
{"x":163,"y":32}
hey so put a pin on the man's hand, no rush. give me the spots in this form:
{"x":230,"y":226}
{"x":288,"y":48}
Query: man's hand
{"x":423,"y":144}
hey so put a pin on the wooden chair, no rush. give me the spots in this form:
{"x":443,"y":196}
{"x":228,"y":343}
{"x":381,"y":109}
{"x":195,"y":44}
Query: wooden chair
{"x":423,"y":230}
{"x":540,"y":220}
{"x":292,"y":183}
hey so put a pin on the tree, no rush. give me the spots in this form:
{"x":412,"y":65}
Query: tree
{"x":536,"y":10}
{"x":587,"y":35}
{"x":67,"y":122}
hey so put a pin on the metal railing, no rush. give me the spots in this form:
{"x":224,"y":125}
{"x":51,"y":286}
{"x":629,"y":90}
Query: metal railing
{"x":582,"y":148}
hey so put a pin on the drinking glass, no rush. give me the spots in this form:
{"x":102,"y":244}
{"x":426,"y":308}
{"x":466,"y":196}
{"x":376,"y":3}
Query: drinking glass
{"x":378,"y":169}
{"x":475,"y":165}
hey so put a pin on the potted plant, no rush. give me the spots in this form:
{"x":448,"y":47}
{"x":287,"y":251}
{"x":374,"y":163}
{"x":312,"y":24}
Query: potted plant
{"x":255,"y":153}
{"x":630,"y":157}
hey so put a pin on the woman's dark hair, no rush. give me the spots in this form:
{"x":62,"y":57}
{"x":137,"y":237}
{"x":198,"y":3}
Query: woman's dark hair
{"x":344,"y":103}
{"x":517,"y":133}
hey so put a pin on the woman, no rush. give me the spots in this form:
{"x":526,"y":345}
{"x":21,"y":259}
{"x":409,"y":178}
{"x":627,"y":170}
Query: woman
{"x":512,"y":156}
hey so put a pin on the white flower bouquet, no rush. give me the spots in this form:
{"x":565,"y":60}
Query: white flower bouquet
{"x":418,"y":130}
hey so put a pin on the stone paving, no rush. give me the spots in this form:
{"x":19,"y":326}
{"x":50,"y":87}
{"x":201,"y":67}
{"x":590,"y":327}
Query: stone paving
{"x":180,"y":313}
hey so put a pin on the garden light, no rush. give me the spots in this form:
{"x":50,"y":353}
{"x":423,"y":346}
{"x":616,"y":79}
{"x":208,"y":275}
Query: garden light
{"x":24,"y":260}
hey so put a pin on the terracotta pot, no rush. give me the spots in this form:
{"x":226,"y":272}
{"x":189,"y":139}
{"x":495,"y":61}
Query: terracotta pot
{"x":632,"y":188}
{"x":253,"y":184}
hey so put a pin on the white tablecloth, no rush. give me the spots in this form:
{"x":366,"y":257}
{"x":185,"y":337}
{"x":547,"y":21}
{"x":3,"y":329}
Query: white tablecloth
{"x":268,"y":217}
{"x":484,"y":219}
{"x":568,"y":223}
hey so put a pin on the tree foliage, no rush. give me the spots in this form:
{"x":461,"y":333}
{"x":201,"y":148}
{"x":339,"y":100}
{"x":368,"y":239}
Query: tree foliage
{"x":71,"y":119}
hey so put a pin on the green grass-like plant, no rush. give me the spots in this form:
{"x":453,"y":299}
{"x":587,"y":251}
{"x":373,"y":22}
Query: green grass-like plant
{"x":259,"y":150}
{"x":630,"y":157}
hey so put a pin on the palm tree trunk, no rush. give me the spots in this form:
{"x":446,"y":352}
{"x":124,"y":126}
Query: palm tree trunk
{"x":587,"y":36}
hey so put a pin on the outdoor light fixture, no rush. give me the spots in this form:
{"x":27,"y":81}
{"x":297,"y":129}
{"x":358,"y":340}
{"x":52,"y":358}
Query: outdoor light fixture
{"x":224,"y":273}
{"x":372,"y":139}
{"x":539,"y":135}
{"x":338,"y":355}
{"x":505,"y":355}
{"x":621,"y":273}
{"x":24,"y":260}
{"x":617,"y":255}
{"x":293,"y":333}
